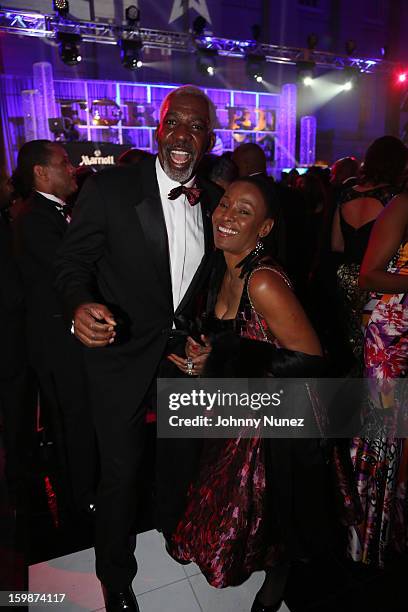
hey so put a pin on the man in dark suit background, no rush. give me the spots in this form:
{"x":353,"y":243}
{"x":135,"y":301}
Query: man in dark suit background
{"x":14,"y":401}
{"x":45,"y":178}
{"x":250,"y":159}
{"x":129,"y":267}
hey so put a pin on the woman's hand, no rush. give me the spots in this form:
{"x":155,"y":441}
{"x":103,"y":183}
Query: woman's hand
{"x":195,"y":349}
{"x":196,"y":357}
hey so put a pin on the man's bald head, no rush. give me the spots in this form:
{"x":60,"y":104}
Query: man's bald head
{"x":250,"y":159}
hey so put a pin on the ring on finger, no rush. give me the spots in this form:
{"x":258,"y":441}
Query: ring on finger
{"x":189,"y":366}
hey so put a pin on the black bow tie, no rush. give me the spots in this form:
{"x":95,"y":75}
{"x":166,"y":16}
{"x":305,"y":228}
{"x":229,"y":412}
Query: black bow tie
{"x":192,"y":194}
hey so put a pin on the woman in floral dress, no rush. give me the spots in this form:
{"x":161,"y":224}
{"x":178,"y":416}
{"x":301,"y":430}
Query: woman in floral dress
{"x":381,"y":462}
{"x":358,"y":208}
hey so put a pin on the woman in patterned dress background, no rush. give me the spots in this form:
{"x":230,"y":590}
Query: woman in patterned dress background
{"x":381,"y":462}
{"x":358,"y":207}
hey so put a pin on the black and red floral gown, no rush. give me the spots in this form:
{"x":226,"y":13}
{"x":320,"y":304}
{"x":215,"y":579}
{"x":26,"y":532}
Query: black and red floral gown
{"x":256,"y":502}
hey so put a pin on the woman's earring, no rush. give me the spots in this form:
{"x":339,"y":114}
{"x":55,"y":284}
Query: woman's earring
{"x":259,"y":247}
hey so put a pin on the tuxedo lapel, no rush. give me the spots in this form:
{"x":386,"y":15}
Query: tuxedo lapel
{"x":47,"y":207}
{"x":150,"y":213}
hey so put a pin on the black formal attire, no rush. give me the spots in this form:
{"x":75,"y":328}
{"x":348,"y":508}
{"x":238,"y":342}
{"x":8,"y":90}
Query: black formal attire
{"x":54,"y":354}
{"x":116,"y":252}
{"x":13,"y":359}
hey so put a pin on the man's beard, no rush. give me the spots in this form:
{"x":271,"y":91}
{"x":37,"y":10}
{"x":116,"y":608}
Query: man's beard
{"x":181,"y":175}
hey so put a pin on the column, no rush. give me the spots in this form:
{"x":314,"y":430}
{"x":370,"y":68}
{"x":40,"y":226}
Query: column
{"x":307,"y":140}
{"x":286,"y":129}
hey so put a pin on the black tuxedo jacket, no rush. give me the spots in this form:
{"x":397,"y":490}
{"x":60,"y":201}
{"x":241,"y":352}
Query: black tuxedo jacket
{"x":116,"y":252}
{"x":38,"y":232}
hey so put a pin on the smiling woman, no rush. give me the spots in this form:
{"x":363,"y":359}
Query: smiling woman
{"x":246,"y":227}
{"x":256,"y":504}
{"x":241,"y":219}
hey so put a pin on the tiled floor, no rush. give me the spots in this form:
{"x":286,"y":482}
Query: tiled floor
{"x":12,"y":542}
{"x":161,"y":585}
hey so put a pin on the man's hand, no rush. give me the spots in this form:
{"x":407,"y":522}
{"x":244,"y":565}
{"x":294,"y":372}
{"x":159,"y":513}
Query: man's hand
{"x":87,"y":328}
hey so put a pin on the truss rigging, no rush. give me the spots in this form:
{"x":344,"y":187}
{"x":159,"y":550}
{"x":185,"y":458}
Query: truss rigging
{"x":24,"y":23}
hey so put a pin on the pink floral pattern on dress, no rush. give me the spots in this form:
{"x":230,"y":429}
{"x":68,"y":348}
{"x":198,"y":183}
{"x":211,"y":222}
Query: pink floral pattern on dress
{"x":225,"y":533}
{"x":381,"y":465}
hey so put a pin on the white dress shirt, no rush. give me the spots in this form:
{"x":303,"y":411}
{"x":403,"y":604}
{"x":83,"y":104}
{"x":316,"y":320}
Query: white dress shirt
{"x":185,"y":233}
{"x":60,"y":205}
{"x":52,"y":197}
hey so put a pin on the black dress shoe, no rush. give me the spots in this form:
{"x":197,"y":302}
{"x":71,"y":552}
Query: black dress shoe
{"x":168,"y":551}
{"x":257,"y":606}
{"x":116,"y":601}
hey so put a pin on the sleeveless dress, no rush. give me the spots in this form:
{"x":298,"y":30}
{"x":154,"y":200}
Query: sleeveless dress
{"x":381,"y":464}
{"x":255,"y":502}
{"x":355,"y":245}
{"x":233,"y":543}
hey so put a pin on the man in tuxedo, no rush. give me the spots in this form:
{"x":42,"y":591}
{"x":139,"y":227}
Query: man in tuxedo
{"x":45,"y":178}
{"x":133,"y":258}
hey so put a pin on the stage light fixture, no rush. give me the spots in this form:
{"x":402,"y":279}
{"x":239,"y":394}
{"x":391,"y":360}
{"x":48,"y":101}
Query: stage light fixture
{"x":131,"y":53}
{"x":255,"y":65}
{"x":69,"y":48}
{"x":350,"y":46}
{"x":402,"y":77}
{"x":61,"y":7}
{"x":305,"y":71}
{"x":256,"y":31}
{"x":199,"y":24}
{"x":350,"y":74}
{"x":207,"y":61}
{"x":132,"y":15}
{"x":312,"y":41}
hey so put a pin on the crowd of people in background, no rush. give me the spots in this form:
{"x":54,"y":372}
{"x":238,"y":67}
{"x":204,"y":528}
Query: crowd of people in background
{"x":344,"y":251}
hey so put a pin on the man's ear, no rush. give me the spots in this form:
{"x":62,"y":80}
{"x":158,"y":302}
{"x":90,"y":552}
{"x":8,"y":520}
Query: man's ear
{"x":211,"y":142}
{"x":40,"y":172}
